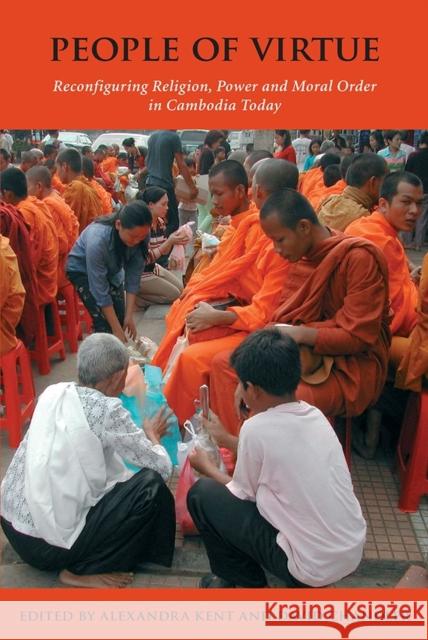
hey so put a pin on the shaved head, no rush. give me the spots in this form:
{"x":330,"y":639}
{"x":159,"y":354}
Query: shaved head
{"x":255,"y":156}
{"x":28,"y":159}
{"x":38,"y":153}
{"x":275,"y":174}
{"x":39,"y":173}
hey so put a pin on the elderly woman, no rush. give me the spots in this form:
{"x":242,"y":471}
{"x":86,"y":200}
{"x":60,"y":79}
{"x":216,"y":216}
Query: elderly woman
{"x":68,"y":502}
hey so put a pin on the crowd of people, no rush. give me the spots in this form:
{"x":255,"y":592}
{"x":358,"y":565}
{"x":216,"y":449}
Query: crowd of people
{"x":305,"y":308}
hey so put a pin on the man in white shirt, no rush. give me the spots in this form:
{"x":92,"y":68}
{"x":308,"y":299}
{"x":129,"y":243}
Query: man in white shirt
{"x":290,"y":507}
{"x":301,"y":147}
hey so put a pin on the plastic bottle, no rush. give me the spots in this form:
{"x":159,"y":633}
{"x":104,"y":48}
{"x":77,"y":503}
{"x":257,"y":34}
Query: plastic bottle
{"x":154,"y":401}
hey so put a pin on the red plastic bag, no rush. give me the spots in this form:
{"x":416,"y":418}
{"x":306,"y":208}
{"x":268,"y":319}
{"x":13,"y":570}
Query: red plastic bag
{"x":185,"y":481}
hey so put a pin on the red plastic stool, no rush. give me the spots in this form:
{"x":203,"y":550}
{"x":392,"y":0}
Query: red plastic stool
{"x":347,"y":439}
{"x":85,"y":319}
{"x":46,"y":346}
{"x":412,"y":452}
{"x":16,"y":392}
{"x":68,"y":308}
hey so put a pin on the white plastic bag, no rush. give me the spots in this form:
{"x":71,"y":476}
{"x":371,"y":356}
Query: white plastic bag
{"x":181,"y":344}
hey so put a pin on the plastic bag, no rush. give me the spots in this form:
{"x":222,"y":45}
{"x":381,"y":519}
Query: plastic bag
{"x":181,"y":344}
{"x":135,"y":385}
{"x":186,"y":480}
{"x":177,"y":257}
{"x":209,"y":243}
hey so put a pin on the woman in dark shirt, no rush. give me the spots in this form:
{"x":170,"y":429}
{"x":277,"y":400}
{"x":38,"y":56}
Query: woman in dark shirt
{"x":212,"y":141}
{"x":108,"y":259}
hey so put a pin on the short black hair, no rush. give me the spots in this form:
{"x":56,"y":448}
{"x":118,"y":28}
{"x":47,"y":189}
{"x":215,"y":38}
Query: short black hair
{"x":87,"y":168}
{"x":365,"y":166}
{"x":13,"y":179}
{"x":329,"y":159}
{"x":269,"y":360}
{"x":331,"y":175}
{"x":233,"y":171}
{"x":128,"y":142}
{"x":213,"y":136}
{"x":390,"y":184}
{"x":5,"y":153}
{"x":48,"y":149}
{"x":71,"y":157}
{"x":390,"y":133}
{"x":86,"y":150}
{"x":290,"y":207}
{"x":424,"y":138}
{"x":345,"y":163}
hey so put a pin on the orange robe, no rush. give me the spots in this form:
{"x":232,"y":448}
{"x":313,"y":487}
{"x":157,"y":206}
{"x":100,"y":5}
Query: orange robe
{"x":341,"y":289}
{"x":414,"y":363}
{"x":337,"y":212}
{"x":259,"y":285}
{"x":12,"y":296}
{"x":57,"y":184}
{"x":103,"y":196}
{"x":317,"y":196}
{"x":44,"y":241}
{"x":110,"y":164}
{"x":214,"y":282}
{"x":67,"y":228}
{"x":310,"y":181}
{"x":83,"y":200}
{"x":402,"y":290}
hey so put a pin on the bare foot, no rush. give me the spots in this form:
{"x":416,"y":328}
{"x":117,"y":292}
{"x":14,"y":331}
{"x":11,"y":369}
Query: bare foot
{"x":98,"y":581}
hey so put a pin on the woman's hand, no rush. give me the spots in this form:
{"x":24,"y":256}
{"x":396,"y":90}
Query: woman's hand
{"x":201,"y":462}
{"x":203,"y":317}
{"x":156,"y":427}
{"x":129,"y":327}
{"x":178,"y":237}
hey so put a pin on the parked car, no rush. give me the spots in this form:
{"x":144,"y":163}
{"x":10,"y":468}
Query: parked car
{"x":73,"y":139}
{"x":116,"y":137}
{"x":191,"y":138}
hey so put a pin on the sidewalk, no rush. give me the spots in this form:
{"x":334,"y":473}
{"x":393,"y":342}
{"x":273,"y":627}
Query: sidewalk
{"x":394,"y":540}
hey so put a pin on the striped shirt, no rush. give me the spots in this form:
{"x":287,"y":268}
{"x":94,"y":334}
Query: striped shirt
{"x":395,"y":161}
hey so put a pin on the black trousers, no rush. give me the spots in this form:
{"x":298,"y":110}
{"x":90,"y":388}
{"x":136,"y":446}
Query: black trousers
{"x":81,"y":284}
{"x":133,"y":523}
{"x":238,"y":540}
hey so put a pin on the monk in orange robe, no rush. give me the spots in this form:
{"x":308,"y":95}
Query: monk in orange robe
{"x":57,"y":184}
{"x":110,"y":162}
{"x":228,"y":185}
{"x":382,"y":228}
{"x":12,"y":296}
{"x":66,"y":224}
{"x":364,"y":178}
{"x":14,"y":227}
{"x":105,"y":197}
{"x":333,"y":183}
{"x":78,"y":194}
{"x":44,"y":239}
{"x":335,"y":306}
{"x":313,"y":180}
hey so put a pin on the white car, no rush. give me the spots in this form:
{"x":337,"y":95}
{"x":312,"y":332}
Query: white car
{"x":116,"y":137}
{"x":72,"y":139}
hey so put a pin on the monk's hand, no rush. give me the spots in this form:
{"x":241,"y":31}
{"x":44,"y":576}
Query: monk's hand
{"x":201,"y":462}
{"x":156,"y":427}
{"x":216,"y":429}
{"x":299,"y":333}
{"x":203,"y":317}
{"x":129,"y":328}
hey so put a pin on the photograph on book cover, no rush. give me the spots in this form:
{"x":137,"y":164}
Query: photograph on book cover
{"x":213,"y":329}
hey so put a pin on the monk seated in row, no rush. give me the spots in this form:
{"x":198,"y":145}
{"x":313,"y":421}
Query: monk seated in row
{"x":364,"y":178}
{"x":335,"y":305}
{"x":12,"y":295}
{"x":400,"y":205}
{"x":290,"y":506}
{"x":43,"y":234}
{"x":330,"y":164}
{"x":78,"y":193}
{"x":248,"y":270}
{"x":14,"y":227}
{"x":39,"y":185}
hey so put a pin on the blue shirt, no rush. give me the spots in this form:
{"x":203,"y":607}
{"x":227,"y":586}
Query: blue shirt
{"x":94,"y":253}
